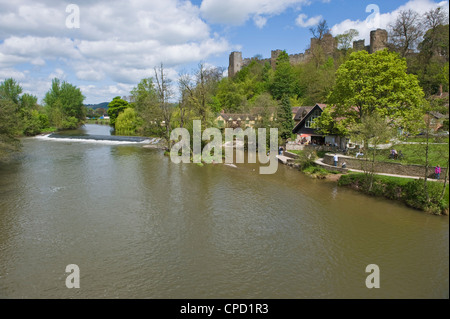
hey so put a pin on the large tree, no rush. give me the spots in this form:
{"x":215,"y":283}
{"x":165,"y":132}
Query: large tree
{"x":115,"y":107}
{"x":377,"y":82}
{"x":405,"y":32}
{"x":64,"y":103}
{"x":8,"y":120}
{"x":145,"y":100}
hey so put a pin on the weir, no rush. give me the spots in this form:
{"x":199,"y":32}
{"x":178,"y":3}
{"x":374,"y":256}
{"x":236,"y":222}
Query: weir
{"x":132,"y":139}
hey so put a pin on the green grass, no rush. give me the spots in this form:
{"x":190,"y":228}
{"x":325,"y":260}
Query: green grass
{"x":415,"y":154}
{"x":97,"y":121}
{"x":48,"y":130}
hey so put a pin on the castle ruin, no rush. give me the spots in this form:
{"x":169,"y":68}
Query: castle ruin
{"x":378,"y":41}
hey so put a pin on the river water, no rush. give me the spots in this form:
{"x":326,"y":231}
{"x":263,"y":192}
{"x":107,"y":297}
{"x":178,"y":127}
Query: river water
{"x":140,"y":226}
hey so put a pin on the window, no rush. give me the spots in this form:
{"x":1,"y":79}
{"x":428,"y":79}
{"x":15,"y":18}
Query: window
{"x":311,"y":118}
{"x":220,"y":123}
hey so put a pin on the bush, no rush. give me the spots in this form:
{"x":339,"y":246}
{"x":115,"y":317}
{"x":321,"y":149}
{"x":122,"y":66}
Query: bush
{"x":412,"y":193}
{"x":306,"y":159}
{"x":127,"y":122}
{"x":69,"y":123}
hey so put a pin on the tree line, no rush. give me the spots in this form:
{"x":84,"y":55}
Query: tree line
{"x":396,"y":83}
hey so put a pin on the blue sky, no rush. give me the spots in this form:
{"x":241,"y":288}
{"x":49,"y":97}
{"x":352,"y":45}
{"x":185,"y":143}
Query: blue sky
{"x":120,"y":42}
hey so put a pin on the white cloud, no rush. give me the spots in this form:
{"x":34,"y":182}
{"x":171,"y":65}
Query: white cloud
{"x":382,"y":20}
{"x":237,"y":12}
{"x":12,"y":73}
{"x":117,"y":41}
{"x":303,"y":22}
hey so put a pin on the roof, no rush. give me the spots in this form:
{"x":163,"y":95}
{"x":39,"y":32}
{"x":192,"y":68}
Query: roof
{"x":303,"y":113}
{"x":238,"y":117}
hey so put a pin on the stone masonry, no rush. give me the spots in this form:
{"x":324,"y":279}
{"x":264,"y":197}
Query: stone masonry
{"x":378,"y":40}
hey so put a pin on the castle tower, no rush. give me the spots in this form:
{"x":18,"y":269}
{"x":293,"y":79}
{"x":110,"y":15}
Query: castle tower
{"x":359,"y":45}
{"x":378,"y":40}
{"x":235,"y":63}
{"x":273,"y":58}
{"x":328,"y":44}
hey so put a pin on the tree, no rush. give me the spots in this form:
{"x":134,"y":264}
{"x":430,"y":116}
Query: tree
{"x":432,"y":61}
{"x":146,"y":105}
{"x":406,"y":32}
{"x":8,"y":119}
{"x":345,"y":40}
{"x":115,"y":107}
{"x":10,"y":90}
{"x":128,"y":122}
{"x":285,"y":118}
{"x":377,"y":82}
{"x":64,"y":105}
{"x":320,"y":30}
{"x":284,"y":80}
{"x":164,"y":93}
{"x":372,"y":131}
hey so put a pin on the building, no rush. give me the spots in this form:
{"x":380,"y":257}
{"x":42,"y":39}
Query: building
{"x":378,"y":41}
{"x":303,"y":119}
{"x":235,"y":120}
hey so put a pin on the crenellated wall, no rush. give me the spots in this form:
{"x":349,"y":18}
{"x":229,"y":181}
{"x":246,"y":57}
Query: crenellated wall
{"x":378,"y":41}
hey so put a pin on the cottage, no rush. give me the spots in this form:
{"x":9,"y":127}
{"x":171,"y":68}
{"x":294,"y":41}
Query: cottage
{"x":303,"y":119}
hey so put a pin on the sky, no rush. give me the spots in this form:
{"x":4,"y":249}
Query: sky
{"x":106,"y":47}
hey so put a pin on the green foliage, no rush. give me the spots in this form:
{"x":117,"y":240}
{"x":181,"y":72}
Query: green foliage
{"x":115,"y":107}
{"x":128,"y":122}
{"x":378,"y":82}
{"x":10,"y":90}
{"x":345,"y":40}
{"x":285,"y":118}
{"x":409,"y":191}
{"x":284,"y":81}
{"x":8,"y":119}
{"x":306,"y":158}
{"x":146,"y":106}
{"x":64,"y":105}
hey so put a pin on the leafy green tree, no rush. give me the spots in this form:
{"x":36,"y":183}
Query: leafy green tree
{"x":8,"y":120}
{"x":285,"y":118}
{"x":115,"y":107}
{"x":378,"y":82}
{"x":10,"y":90}
{"x":128,"y":122}
{"x":284,"y":80}
{"x":345,"y":40}
{"x":64,"y":104}
{"x":146,"y":106}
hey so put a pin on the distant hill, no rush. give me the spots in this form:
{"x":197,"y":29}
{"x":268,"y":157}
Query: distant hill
{"x":97,"y":106}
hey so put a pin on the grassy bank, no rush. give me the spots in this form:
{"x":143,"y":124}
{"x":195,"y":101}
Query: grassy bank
{"x":409,"y":191}
{"x":98,"y":121}
{"x":305,"y":163}
{"x":414,"y":154}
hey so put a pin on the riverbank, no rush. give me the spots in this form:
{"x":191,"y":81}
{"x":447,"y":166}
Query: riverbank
{"x":409,"y":190}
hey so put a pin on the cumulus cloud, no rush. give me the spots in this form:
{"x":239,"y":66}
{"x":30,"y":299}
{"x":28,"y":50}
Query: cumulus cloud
{"x":375,"y":19}
{"x":237,"y":12}
{"x":303,"y":21}
{"x":117,"y":40}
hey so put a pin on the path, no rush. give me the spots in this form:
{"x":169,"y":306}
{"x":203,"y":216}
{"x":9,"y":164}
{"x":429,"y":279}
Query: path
{"x":321,"y":163}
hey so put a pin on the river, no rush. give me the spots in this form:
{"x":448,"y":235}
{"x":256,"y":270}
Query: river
{"x":140,"y":226}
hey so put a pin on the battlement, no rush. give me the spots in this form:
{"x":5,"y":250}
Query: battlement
{"x":378,"y":41}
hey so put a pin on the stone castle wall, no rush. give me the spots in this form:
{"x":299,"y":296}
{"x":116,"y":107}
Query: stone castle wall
{"x":378,"y":41}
